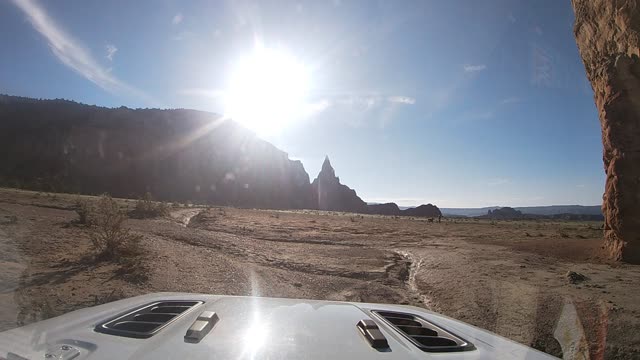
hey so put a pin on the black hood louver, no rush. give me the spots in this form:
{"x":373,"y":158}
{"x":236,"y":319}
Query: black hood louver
{"x":424,"y":334}
{"x":145,"y":321}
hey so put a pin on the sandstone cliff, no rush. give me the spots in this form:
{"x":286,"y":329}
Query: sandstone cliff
{"x":179,"y":155}
{"x":608,"y":37}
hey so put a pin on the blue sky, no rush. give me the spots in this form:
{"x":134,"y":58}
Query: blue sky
{"x":458,"y":103}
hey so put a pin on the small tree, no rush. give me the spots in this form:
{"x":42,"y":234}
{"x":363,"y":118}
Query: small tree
{"x":110,"y":238}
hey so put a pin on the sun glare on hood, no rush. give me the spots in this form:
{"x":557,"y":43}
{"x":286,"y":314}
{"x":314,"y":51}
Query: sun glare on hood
{"x":266,"y":90}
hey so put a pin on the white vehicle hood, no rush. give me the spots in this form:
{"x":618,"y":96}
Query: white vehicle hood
{"x":248,"y":328}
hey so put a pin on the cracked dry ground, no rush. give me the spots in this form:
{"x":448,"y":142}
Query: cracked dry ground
{"x":507,"y":277}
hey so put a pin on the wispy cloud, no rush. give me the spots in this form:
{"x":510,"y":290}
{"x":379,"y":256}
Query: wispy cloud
{"x":70,"y":52}
{"x":183,"y":35}
{"x":499,"y":181}
{"x":538,"y":30}
{"x":510,"y":100}
{"x":111,"y":51}
{"x":368,"y":101}
{"x":474,"y":68}
{"x":177,"y":19}
{"x":401,"y":100}
{"x":317,"y":107}
{"x":543,"y":67}
{"x":484,"y":115}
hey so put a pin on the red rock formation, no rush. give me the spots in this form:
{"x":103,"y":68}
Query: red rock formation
{"x":608,"y":37}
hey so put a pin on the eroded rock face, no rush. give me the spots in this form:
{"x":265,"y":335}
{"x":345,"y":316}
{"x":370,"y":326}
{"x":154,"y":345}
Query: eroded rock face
{"x":329,"y":194}
{"x":607,"y":33}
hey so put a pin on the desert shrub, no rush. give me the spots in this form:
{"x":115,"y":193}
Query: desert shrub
{"x":109,"y":237}
{"x":147,"y":208}
{"x":563,"y":234}
{"x":83,"y":209}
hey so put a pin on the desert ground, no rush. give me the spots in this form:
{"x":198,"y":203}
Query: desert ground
{"x":510,"y":277}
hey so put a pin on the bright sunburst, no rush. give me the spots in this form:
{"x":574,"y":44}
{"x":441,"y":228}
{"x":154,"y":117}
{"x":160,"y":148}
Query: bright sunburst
{"x":266,"y":90}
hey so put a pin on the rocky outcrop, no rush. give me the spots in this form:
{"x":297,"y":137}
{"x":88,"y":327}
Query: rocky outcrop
{"x":608,"y":37}
{"x":384,"y":209}
{"x":182,"y":155}
{"x":329,"y":194}
{"x":427,"y":210}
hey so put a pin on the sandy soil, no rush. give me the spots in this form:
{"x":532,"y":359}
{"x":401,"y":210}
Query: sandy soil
{"x":506,"y":276}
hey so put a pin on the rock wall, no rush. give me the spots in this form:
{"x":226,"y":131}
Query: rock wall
{"x":177,"y":155}
{"x":608,"y":37}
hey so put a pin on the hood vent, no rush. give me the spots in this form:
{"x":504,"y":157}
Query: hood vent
{"x":147,"y":320}
{"x":424,"y":334}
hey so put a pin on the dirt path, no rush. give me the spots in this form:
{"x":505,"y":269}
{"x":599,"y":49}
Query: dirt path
{"x":184,"y":216}
{"x":414,"y":269}
{"x":507,"y":277}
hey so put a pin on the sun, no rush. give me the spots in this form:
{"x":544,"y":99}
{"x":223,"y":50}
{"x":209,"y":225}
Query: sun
{"x":266,"y":91}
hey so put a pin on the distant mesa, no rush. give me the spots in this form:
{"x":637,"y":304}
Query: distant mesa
{"x":428,"y":210}
{"x":576,"y":212}
{"x":505,"y":213}
{"x":384,"y":209}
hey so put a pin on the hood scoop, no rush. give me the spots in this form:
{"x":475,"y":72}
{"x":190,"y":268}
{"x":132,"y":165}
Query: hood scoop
{"x":145,"y":321}
{"x":424,"y":334}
